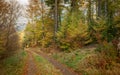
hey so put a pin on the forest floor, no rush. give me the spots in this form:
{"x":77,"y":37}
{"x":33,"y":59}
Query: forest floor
{"x":66,"y":63}
{"x":27,"y":62}
{"x":31,"y":67}
{"x":33,"y":61}
{"x":88,"y":61}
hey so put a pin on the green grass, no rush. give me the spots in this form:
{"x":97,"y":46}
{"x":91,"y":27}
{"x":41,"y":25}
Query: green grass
{"x":40,"y":59}
{"x":13,"y":65}
{"x":72,"y":59}
{"x":45,"y":67}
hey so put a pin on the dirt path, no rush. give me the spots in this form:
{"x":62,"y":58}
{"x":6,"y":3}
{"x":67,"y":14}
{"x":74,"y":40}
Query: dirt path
{"x":30,"y":67}
{"x":65,"y":70}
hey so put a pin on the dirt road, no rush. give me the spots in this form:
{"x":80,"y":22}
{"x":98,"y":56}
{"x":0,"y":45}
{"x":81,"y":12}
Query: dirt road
{"x":31,"y":68}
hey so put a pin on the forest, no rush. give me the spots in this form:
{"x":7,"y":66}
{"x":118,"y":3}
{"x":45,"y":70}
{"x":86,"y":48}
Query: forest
{"x":60,"y":37}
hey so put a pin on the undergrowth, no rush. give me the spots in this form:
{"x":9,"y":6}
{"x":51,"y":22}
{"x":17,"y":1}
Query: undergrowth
{"x":90,"y":61}
{"x":13,"y":65}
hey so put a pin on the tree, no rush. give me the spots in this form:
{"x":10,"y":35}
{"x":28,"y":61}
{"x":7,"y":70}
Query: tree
{"x":9,"y":12}
{"x":55,"y":12}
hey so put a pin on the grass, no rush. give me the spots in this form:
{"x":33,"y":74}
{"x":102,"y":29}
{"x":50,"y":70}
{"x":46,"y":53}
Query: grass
{"x":88,"y":62}
{"x":72,"y":59}
{"x":45,"y":67}
{"x":13,"y":65}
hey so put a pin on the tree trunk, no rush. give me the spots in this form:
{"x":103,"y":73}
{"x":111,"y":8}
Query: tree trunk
{"x":56,"y":19}
{"x":43,"y":34}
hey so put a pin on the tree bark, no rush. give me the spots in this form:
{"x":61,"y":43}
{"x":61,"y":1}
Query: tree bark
{"x":56,"y":19}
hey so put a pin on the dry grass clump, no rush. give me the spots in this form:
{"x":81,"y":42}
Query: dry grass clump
{"x":97,"y":64}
